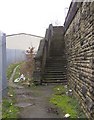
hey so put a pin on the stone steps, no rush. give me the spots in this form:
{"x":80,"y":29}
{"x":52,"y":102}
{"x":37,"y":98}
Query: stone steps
{"x":55,"y":73}
{"x":55,"y":70}
{"x":55,"y":81}
{"x":55,"y":76}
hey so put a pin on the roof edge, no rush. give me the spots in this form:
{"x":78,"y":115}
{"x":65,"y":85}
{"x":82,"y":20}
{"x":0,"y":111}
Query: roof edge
{"x":24,"y":34}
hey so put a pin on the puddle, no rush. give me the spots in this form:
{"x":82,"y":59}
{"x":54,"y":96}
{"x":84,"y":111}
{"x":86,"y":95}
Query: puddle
{"x":23,"y":105}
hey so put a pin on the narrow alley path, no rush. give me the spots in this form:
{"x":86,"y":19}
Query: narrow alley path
{"x":34,"y":101}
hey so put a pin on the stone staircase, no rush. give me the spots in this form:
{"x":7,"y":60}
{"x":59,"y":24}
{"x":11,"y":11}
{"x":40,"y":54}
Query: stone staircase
{"x":55,"y":70}
{"x":50,"y":60}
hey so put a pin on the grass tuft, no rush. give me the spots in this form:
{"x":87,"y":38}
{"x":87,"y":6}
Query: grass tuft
{"x":10,"y":69}
{"x":66,"y":103}
{"x":8,"y":108}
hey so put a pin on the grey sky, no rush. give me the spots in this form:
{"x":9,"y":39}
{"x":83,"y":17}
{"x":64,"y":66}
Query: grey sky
{"x":31,"y":16}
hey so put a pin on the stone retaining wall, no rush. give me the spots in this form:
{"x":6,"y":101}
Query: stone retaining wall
{"x":79,"y":40}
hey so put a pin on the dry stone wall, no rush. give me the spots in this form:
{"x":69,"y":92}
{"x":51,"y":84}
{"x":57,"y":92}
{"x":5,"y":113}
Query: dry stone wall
{"x":79,"y":40}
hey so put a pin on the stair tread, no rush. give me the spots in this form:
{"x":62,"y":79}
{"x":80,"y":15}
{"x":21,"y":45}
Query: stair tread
{"x":59,"y":77}
{"x":51,"y":66}
{"x":55,"y":69}
{"x":58,"y":68}
{"x":55,"y":78}
{"x":54,"y":74}
{"x":54,"y":81}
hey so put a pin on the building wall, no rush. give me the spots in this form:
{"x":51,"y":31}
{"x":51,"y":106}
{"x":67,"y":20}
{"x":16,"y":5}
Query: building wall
{"x":79,"y":40}
{"x":17,"y":44}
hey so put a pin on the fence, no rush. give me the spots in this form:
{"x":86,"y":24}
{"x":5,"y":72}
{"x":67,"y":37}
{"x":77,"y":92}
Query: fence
{"x":3,"y":83}
{"x":14,"y":56}
{"x":17,"y":44}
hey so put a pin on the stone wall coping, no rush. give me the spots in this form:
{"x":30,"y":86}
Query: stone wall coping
{"x":40,"y":49}
{"x":74,"y":7}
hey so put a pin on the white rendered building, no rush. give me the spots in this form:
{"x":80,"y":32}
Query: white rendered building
{"x":17,"y":44}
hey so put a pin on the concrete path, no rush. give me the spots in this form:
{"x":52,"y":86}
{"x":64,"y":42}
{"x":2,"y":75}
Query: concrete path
{"x":34,"y":101}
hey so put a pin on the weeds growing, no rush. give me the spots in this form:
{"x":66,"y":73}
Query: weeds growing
{"x":8,"y":108}
{"x":68,"y":104}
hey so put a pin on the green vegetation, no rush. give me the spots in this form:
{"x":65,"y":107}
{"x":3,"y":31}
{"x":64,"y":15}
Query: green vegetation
{"x":10,"y":70}
{"x":8,"y":108}
{"x":17,"y":74}
{"x":68,"y":104}
{"x":22,"y":69}
{"x":59,"y":89}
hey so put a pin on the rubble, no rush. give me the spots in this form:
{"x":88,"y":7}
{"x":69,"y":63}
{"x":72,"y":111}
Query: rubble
{"x":67,"y":115}
{"x":21,"y":78}
{"x":16,"y":80}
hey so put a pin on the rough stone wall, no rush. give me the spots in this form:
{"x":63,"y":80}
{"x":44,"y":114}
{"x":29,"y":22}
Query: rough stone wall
{"x":79,"y":40}
{"x":42,"y":55}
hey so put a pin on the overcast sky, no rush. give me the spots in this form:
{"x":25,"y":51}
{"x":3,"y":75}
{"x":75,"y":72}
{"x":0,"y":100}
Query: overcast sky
{"x":31,"y":16}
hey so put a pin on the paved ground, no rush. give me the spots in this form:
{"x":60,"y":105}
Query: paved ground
{"x":34,"y":101}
